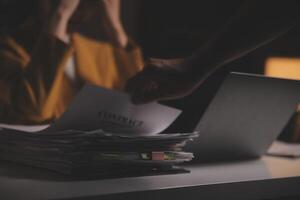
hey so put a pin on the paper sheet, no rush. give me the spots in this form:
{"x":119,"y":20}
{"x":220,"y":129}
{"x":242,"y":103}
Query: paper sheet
{"x":99,"y":108}
{"x":112,"y":111}
{"x":284,"y":149}
{"x":25,"y":128}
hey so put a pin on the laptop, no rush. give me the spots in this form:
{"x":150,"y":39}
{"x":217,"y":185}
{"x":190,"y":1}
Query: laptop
{"x":246,"y":115}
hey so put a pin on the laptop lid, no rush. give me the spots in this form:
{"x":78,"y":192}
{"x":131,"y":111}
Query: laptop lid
{"x":246,"y":115}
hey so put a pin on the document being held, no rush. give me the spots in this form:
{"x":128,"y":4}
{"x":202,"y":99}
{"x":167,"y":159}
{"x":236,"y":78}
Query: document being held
{"x":112,"y":111}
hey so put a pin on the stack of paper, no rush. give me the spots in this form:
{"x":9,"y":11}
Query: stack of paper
{"x":102,"y":133}
{"x":77,"y":152}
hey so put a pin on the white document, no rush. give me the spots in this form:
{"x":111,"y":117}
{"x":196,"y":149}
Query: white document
{"x":112,"y":111}
{"x":24,"y":128}
{"x":284,"y":149}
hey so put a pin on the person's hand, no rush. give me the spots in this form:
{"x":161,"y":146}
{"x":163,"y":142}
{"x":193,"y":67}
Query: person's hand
{"x":61,"y":17}
{"x":112,"y":22}
{"x":161,"y":80}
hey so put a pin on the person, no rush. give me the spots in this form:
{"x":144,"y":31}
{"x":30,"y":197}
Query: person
{"x":45,"y":60}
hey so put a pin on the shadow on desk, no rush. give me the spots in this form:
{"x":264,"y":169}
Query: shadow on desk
{"x":20,"y":171}
{"x":241,"y":170}
{"x":205,"y":181}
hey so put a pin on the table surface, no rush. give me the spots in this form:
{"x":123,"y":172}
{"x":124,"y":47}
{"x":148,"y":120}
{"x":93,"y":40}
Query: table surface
{"x":17,"y":182}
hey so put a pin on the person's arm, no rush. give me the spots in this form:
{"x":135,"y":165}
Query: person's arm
{"x":59,"y":21}
{"x":255,"y":24}
{"x":112,"y":22}
{"x":127,"y":54}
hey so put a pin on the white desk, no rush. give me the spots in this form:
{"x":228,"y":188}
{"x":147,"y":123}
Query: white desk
{"x":266,"y":178}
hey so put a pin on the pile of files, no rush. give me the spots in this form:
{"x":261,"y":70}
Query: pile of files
{"x":101,"y":133}
{"x":80,"y":153}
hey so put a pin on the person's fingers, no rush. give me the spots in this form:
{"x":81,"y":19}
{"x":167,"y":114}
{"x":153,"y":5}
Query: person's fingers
{"x":138,"y":80}
{"x":172,"y":62}
{"x":154,"y":62}
{"x":145,"y":88}
{"x":154,"y":90}
{"x":138,"y":96}
{"x":142,"y":98}
{"x":133,"y":82}
{"x":164,"y":63}
{"x":137,"y":86}
{"x":130,"y":84}
{"x":149,"y":85}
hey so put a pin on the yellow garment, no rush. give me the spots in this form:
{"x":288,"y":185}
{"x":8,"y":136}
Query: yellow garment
{"x":34,"y":87}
